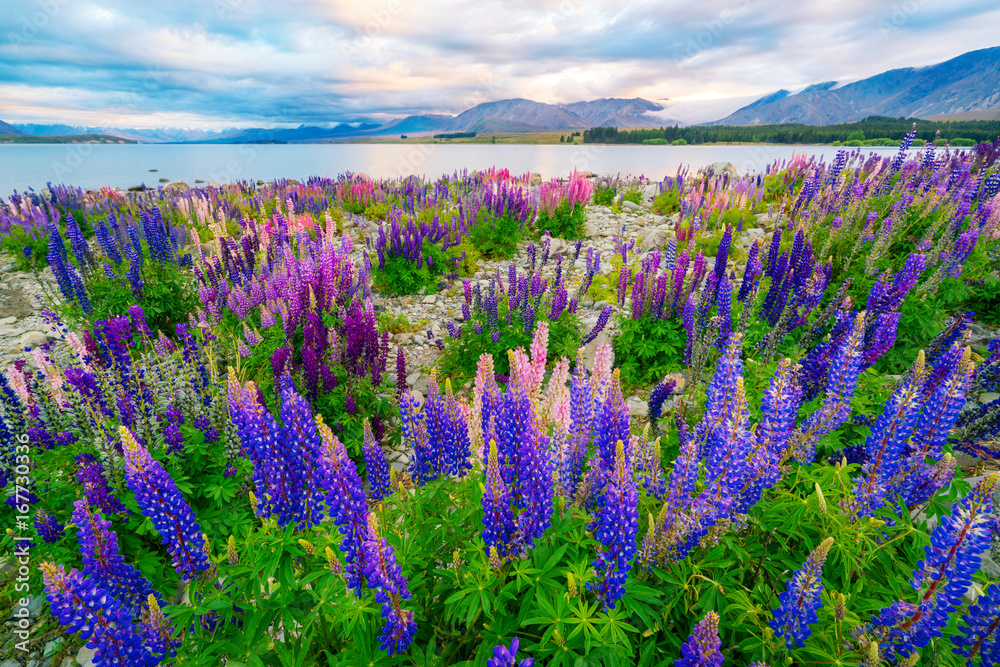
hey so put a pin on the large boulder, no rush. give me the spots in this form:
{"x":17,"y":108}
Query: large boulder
{"x":653,"y":237}
{"x":718,"y":169}
{"x":180,"y":186}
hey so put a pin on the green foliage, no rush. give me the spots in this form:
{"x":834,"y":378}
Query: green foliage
{"x":667,"y":203}
{"x":378,"y":211}
{"x":604,"y":195}
{"x":679,"y":142}
{"x":460,"y":356}
{"x":632,"y":195}
{"x":13,"y":242}
{"x":856,"y":136}
{"x":400,"y":275}
{"x":496,"y":238}
{"x":168,"y":295}
{"x":647,"y":349}
{"x":398,"y":322}
{"x":658,"y":141}
{"x":468,"y":257}
{"x":564,"y":223}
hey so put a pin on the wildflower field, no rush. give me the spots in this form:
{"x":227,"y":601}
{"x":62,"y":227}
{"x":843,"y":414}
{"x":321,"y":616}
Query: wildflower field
{"x":758,"y":429}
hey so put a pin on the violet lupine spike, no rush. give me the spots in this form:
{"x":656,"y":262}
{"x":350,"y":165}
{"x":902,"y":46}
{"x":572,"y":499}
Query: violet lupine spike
{"x":86,"y":609}
{"x":702,"y":647}
{"x":535,"y":490}
{"x":800,"y":600}
{"x":942,"y":577}
{"x":661,"y":392}
{"x":161,"y":501}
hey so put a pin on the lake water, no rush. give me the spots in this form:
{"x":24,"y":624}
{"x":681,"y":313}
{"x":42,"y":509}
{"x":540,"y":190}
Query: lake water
{"x":93,"y":165}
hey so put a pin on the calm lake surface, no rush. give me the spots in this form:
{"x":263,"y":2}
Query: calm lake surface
{"x":93,"y":165}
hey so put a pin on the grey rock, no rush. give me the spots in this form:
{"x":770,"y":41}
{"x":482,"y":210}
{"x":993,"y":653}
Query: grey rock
{"x":630,"y":206}
{"x":988,"y":397}
{"x":430,"y":299}
{"x":653,"y":238}
{"x":8,"y":320}
{"x":417,"y":398}
{"x":412,"y":378}
{"x":753,"y":233}
{"x":11,"y":331}
{"x":638,"y":407}
{"x":718,"y":169}
{"x":36,"y":605}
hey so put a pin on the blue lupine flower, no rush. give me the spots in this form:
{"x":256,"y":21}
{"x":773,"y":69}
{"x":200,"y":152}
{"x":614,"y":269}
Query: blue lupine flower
{"x":498,"y":514}
{"x":944,"y":575}
{"x":801,"y":598}
{"x":979,"y":637}
{"x":163,"y":504}
{"x":504,"y":656}
{"x":702,"y":647}
{"x":375,"y":464}
{"x":661,"y":392}
{"x":618,"y":523}
{"x":384,"y":575}
{"x":85,"y":608}
{"x":347,"y":505}
{"x":103,"y":561}
{"x":46,"y":525}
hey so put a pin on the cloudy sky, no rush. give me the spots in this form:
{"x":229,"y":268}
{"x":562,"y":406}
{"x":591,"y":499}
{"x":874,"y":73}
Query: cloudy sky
{"x":235,"y":63}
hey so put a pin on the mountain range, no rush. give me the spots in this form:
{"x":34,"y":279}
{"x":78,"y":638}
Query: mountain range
{"x":967,"y":87}
{"x":513,"y":115}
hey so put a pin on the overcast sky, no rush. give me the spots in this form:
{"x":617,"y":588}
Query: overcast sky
{"x":223,"y":63}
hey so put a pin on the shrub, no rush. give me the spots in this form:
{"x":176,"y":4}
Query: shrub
{"x":667,"y":203}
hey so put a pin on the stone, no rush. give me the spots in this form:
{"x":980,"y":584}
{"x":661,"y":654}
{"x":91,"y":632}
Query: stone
{"x":8,"y":320}
{"x":988,"y":397}
{"x":718,"y":169}
{"x":638,"y":407}
{"x":535,"y":180}
{"x":630,"y":206}
{"x":753,"y":233}
{"x":86,"y":656}
{"x":412,"y":378}
{"x":175,"y":185}
{"x":416,"y":399}
{"x":11,"y":332}
{"x":429,"y":299}
{"x":653,"y":238}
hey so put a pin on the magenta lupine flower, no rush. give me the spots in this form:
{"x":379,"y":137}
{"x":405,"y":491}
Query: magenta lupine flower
{"x":504,"y":656}
{"x":944,"y":575}
{"x":386,"y":578}
{"x":103,"y":561}
{"x":702,"y":647}
{"x":162,"y":502}
{"x":375,"y":464}
{"x":84,"y":608}
{"x":617,"y":525}
{"x":801,"y":598}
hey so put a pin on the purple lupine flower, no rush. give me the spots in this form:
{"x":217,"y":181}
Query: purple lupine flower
{"x":299,"y":448}
{"x":944,"y":575}
{"x":47,"y":527}
{"x":979,"y":636}
{"x":504,"y":656}
{"x":103,"y":561}
{"x":618,"y":523}
{"x":163,"y":504}
{"x":534,"y":488}
{"x":702,"y":647}
{"x":386,"y":578}
{"x":89,"y":610}
{"x":375,"y":464}
{"x":801,"y":598}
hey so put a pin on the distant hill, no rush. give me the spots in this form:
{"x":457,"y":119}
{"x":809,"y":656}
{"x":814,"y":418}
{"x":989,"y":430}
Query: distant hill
{"x":7,"y":128}
{"x":615,"y":112}
{"x":68,"y":139}
{"x":960,"y":87}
